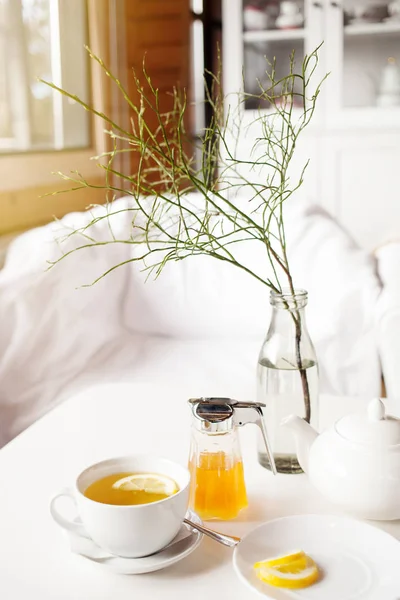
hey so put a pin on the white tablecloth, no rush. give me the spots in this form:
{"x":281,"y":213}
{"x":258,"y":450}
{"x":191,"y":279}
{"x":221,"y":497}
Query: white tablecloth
{"x":120,"y":419}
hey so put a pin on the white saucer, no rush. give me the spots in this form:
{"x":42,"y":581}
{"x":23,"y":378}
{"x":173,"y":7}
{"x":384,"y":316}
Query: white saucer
{"x":182,"y":545}
{"x":357,"y":561}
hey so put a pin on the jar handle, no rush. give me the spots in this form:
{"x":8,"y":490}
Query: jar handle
{"x":251,"y":412}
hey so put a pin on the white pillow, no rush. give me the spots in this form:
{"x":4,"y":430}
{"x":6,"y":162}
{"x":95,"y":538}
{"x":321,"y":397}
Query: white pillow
{"x":203,"y":298}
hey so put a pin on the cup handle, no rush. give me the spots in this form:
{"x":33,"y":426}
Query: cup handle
{"x":71,"y":526}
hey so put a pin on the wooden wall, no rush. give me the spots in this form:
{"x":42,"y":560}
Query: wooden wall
{"x":159,"y":32}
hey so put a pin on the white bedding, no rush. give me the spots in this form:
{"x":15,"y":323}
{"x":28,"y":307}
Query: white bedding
{"x":201,"y":320}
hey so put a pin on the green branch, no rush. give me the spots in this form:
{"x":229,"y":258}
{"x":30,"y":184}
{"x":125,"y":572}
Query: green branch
{"x":164,"y":218}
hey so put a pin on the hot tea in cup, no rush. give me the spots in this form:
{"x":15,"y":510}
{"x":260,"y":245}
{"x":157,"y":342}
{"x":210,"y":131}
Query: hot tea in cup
{"x":125,"y":489}
{"x":131,"y":506}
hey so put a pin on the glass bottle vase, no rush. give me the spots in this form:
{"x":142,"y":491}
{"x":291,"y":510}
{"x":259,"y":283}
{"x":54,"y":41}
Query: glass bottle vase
{"x":287,"y":377}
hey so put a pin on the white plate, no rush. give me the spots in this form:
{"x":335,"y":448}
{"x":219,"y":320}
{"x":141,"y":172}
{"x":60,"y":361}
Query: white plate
{"x":357,"y":561}
{"x":184,"y":544}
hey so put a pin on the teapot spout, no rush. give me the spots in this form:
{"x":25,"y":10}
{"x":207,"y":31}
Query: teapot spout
{"x":304,"y":435}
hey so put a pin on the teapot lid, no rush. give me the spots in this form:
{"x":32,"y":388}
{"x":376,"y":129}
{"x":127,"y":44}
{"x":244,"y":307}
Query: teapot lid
{"x":373,"y":427}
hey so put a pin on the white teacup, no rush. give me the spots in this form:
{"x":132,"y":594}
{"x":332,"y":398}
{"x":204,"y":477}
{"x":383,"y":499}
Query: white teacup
{"x":134,"y":530}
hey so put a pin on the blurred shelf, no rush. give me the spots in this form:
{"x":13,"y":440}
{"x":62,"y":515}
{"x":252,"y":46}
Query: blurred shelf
{"x":365,"y":118}
{"x":372,"y":29}
{"x":274,"y":35}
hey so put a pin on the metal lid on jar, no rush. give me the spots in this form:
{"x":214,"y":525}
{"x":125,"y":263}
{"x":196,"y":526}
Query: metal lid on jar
{"x":213,"y":415}
{"x":373,"y":428}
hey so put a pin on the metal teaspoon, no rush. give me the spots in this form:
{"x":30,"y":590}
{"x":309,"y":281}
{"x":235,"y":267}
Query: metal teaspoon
{"x":222,"y":538}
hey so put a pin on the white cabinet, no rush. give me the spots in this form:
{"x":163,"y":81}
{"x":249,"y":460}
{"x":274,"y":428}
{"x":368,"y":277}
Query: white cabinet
{"x":357,"y":54}
{"x":354,"y":139}
{"x":359,"y":173}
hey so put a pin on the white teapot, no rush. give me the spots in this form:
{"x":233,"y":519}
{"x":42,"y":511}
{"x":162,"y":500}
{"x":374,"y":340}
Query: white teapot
{"x":356,"y":462}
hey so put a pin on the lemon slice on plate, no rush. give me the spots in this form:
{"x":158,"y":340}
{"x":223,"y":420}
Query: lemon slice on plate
{"x":150,"y":483}
{"x":282,"y":559}
{"x":294,"y":571}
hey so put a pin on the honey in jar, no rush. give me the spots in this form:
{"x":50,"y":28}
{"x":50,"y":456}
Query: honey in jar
{"x":217,"y":488}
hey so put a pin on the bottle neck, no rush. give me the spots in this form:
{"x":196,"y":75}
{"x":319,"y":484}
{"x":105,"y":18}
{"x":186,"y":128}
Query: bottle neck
{"x":288,"y":321}
{"x":287,"y":341}
{"x":288,"y":301}
{"x":288,"y":311}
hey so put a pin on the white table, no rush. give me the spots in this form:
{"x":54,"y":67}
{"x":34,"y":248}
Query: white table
{"x":35,"y":561}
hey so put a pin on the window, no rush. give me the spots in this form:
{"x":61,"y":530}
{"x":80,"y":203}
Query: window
{"x":43,"y":39}
{"x":41,"y":131}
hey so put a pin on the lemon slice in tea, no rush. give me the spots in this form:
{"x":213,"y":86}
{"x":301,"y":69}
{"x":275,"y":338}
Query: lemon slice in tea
{"x":150,"y":483}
